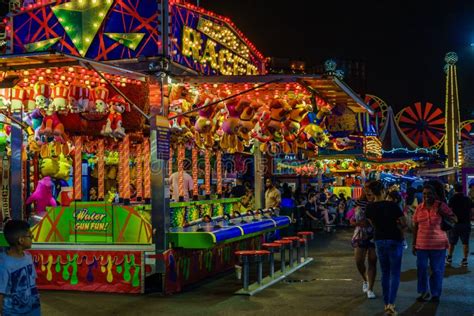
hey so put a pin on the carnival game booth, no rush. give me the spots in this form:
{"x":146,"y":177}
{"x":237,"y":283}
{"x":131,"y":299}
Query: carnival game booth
{"x":118,"y":130}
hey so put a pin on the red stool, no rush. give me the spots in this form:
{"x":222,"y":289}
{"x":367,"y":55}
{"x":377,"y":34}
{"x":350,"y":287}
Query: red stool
{"x":306,"y":236}
{"x":285,"y":244}
{"x":272,"y":247}
{"x":296,"y":241}
{"x":245,"y":256}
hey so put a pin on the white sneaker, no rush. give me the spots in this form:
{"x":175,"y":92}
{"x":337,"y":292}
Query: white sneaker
{"x":370,"y":294}
{"x":365,"y":287}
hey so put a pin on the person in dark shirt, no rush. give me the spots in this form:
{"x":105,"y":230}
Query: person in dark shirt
{"x":388,"y":221}
{"x":462,"y":207}
{"x":239,"y":190}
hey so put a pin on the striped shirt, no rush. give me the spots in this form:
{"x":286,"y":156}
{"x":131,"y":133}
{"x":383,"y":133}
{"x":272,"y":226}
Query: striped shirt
{"x":430,"y":236}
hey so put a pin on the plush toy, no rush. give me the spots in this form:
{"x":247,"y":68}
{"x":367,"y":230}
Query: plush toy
{"x":42,"y":93}
{"x":18,"y":98}
{"x":317,"y":135}
{"x":60,"y":97}
{"x":99,"y":98}
{"x":50,"y":153}
{"x":79,"y":98}
{"x":279,"y":110}
{"x":260,"y":132}
{"x":299,"y":110}
{"x":3,"y":135}
{"x":113,"y":126}
{"x":230,"y":126}
{"x":43,"y":196}
{"x":248,"y":119}
{"x":207,"y":121}
{"x":35,"y":120}
{"x":4,"y":99}
{"x":51,"y":125}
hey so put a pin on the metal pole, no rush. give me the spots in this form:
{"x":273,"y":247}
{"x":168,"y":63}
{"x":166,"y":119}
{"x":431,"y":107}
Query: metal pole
{"x":259,"y":174}
{"x":16,"y":175}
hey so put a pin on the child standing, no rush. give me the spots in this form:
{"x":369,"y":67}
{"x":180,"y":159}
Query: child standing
{"x":18,"y":292}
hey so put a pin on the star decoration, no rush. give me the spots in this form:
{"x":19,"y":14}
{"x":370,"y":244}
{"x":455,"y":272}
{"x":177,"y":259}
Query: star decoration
{"x":81,"y":20}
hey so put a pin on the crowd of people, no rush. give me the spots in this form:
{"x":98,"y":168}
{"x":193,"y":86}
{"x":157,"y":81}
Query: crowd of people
{"x":437,"y":215}
{"x":380,"y":228}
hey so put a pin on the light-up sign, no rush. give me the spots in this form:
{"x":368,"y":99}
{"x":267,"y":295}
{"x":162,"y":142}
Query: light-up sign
{"x":209,"y":46}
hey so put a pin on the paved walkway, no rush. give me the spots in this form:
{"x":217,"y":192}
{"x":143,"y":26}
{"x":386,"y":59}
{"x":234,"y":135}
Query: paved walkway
{"x":328,"y":286}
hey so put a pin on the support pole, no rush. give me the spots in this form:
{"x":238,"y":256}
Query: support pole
{"x":101,"y":170}
{"x":125,"y":156}
{"x":139,"y":162}
{"x":207,"y":180}
{"x":181,"y":155}
{"x":195,"y":159}
{"x":219,"y":172}
{"x":120,"y":173}
{"x":78,"y":168}
{"x":146,"y":171}
{"x":259,"y":174}
{"x":16,"y":176}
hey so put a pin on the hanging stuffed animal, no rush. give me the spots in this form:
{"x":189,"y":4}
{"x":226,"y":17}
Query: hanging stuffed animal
{"x":51,"y":125}
{"x":50,"y":153}
{"x":60,"y":96}
{"x":230,"y":141}
{"x":18,"y":98}
{"x":260,"y":132}
{"x":248,"y":119}
{"x":279,"y":110}
{"x":43,"y":196}
{"x":113,"y":126}
{"x":42,"y":93}
{"x":79,"y":98}
{"x":100,"y":96}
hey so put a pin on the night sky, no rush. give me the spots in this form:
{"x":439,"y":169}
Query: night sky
{"x":402,"y":42}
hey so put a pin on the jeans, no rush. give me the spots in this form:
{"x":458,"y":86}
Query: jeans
{"x":436,"y":259}
{"x":390,"y":258}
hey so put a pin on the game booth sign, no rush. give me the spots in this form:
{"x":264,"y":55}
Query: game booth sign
{"x":86,"y":140}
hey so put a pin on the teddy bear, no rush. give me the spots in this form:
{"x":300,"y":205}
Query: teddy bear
{"x":43,"y":196}
{"x":260,"y":132}
{"x":113,"y":126}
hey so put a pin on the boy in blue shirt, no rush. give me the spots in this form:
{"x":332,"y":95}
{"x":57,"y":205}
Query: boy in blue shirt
{"x":18,"y":292}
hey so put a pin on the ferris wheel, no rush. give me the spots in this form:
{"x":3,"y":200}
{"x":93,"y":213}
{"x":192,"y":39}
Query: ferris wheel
{"x":424,"y":124}
{"x":467,"y":130}
{"x":380,"y":108}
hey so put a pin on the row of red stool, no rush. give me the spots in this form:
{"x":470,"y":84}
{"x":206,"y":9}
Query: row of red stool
{"x":281,"y":245}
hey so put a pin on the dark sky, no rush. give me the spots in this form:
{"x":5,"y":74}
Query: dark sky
{"x":402,"y":42}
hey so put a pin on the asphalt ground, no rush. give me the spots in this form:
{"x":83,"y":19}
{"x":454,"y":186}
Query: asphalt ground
{"x":330,"y":285}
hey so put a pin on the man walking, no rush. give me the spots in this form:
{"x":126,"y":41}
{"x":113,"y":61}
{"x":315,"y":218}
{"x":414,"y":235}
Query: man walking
{"x":462,"y":207}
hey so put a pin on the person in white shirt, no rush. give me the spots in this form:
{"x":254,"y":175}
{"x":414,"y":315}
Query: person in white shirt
{"x":174,"y":186}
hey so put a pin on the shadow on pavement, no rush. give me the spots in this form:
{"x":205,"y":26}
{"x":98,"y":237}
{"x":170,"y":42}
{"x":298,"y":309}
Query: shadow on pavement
{"x":408,"y":275}
{"x":450,"y":271}
{"x":427,"y":309}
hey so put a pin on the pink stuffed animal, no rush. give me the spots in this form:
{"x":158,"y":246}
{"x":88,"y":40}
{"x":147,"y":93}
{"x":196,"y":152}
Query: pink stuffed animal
{"x":43,"y":196}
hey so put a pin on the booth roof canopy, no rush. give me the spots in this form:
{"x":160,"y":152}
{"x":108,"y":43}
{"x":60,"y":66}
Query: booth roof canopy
{"x":330,"y":89}
{"x":18,"y":62}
